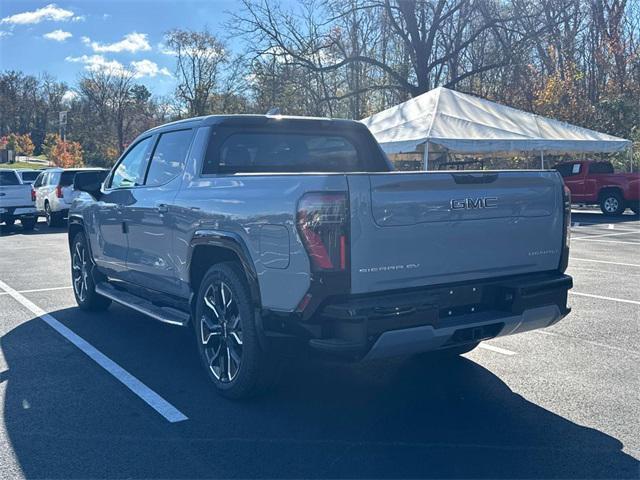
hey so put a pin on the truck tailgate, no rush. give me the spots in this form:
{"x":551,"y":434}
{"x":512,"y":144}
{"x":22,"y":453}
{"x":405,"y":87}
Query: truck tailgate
{"x":417,"y":229}
{"x":15,"y":196}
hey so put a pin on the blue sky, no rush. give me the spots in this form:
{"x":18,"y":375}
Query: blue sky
{"x":65,"y":38}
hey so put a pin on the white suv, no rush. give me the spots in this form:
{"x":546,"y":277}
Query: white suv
{"x":54,"y":194}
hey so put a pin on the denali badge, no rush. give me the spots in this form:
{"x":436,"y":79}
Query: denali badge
{"x":473,"y":203}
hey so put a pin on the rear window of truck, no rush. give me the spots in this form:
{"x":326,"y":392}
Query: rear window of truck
{"x":8,"y":178}
{"x":291,"y":152}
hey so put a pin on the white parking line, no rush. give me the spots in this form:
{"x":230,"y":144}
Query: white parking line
{"x":600,"y":297}
{"x":503,"y":351}
{"x":589,"y":237}
{"x":590,"y":342}
{"x":39,"y":290}
{"x":609,"y":241}
{"x":155,"y":401}
{"x":605,"y":261}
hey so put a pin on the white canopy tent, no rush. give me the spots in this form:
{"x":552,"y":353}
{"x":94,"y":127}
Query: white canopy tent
{"x":463,"y":123}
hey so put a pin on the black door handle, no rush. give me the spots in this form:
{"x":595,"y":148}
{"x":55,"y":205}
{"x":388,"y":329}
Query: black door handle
{"x":162,"y":208}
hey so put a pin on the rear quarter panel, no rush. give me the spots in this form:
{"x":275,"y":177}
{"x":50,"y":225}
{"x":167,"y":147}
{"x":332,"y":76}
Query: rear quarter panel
{"x":260,"y":209}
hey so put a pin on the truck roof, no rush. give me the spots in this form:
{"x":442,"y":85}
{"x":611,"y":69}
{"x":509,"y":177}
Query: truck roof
{"x":259,"y":120}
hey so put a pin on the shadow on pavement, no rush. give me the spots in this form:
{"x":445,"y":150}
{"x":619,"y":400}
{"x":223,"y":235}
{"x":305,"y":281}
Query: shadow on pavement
{"x":66,"y":417}
{"x":40,"y":229}
{"x":599,"y":218}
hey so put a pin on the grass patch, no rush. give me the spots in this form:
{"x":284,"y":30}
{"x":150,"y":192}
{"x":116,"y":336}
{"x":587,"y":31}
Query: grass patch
{"x":21,"y":165}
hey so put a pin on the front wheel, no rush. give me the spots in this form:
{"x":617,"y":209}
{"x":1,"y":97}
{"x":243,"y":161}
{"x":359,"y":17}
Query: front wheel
{"x":612,"y":203}
{"x":226,"y":334}
{"x":84,"y":288}
{"x":9,"y":221}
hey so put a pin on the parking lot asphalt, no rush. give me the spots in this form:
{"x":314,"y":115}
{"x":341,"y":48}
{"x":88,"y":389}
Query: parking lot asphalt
{"x":560,"y":402}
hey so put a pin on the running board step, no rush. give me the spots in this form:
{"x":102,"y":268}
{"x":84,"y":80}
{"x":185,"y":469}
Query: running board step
{"x":162,"y":314}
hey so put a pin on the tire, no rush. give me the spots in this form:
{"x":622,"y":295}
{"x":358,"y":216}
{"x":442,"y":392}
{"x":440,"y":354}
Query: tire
{"x":53,"y":218}
{"x":9,"y":222}
{"x":84,"y":288}
{"x":227,"y":337}
{"x":28,"y":223}
{"x":612,"y":203}
{"x":635,"y":209}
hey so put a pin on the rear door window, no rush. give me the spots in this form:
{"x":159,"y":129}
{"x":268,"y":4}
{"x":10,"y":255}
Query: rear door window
{"x":66,"y":178}
{"x":168,"y":157}
{"x":8,"y":178}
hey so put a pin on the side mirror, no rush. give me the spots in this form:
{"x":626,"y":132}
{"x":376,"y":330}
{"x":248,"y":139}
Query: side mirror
{"x":89,"y":182}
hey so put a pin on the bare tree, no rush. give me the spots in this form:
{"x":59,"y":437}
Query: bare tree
{"x":199,"y":58}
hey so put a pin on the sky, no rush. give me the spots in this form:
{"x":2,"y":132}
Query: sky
{"x":68,"y":37}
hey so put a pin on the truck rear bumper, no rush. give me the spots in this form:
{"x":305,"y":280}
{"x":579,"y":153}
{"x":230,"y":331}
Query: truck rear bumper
{"x":442,"y":317}
{"x":10,"y":212}
{"x":427,"y":338}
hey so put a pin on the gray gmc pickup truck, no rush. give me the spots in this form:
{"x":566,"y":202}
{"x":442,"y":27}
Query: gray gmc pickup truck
{"x":268,"y":233}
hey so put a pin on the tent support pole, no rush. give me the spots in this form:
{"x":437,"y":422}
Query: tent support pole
{"x":426,"y":156}
{"x":541,"y":160}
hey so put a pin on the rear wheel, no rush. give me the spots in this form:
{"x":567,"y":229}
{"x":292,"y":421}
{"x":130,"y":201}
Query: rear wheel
{"x":226,"y":334}
{"x":54,"y":219}
{"x":28,"y":223}
{"x":612,"y":203}
{"x":82,"y":280}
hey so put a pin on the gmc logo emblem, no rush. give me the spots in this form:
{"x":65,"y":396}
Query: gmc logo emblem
{"x":473,"y":203}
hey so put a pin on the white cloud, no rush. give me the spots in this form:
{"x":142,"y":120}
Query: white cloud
{"x":138,"y":69}
{"x":58,"y":35}
{"x":4,"y":33}
{"x":50,"y":12}
{"x":98,"y":63}
{"x":147,"y":68}
{"x":69,"y":96}
{"x":132,"y":42}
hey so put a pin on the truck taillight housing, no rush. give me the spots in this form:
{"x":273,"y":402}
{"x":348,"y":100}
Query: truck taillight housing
{"x":33,"y":194}
{"x":566,"y":230}
{"x":322,"y":222}
{"x":59,"y":191}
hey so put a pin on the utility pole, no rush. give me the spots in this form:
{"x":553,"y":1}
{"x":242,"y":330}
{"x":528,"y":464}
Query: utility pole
{"x":62,"y":122}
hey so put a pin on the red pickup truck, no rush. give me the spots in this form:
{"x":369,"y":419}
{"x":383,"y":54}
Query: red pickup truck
{"x":596,"y":183}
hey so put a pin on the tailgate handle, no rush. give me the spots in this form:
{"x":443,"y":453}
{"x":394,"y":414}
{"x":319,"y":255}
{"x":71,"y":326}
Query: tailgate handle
{"x":463,"y":178}
{"x":394,"y":310}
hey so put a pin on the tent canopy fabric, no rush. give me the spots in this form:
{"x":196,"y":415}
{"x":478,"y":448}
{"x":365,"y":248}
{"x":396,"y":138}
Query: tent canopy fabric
{"x":467,"y":124}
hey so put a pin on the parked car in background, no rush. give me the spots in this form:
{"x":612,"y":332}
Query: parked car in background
{"x":260,"y":231}
{"x":27,"y":175}
{"x":54,"y":193}
{"x":16,"y":200}
{"x":596,"y":183}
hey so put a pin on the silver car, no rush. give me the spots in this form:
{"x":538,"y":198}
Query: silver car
{"x":54,"y":194}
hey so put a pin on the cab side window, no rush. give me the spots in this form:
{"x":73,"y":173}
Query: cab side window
{"x":131,"y":169}
{"x":168,"y":157}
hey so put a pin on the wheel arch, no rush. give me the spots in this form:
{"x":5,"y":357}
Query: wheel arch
{"x":610,"y":189}
{"x":209,"y":247}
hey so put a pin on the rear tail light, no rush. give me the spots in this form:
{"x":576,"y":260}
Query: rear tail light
{"x":323,"y":226}
{"x":33,"y":194}
{"x":59,"y":191}
{"x":566,"y":233}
